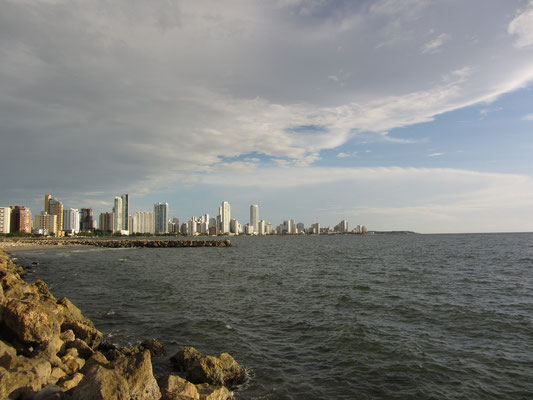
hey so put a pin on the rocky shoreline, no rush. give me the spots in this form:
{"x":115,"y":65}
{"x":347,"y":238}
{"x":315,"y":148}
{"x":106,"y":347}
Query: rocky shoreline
{"x":49,"y":351}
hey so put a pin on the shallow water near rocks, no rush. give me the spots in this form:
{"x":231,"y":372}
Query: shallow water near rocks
{"x":323,"y":317}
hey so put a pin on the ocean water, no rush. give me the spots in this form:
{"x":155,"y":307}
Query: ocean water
{"x":323,"y":317}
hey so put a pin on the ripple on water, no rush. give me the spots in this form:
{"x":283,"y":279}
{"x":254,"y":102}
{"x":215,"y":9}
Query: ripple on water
{"x":340,"y":317}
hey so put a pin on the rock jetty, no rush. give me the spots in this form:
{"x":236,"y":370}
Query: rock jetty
{"x":113,"y":243}
{"x":50,"y":351}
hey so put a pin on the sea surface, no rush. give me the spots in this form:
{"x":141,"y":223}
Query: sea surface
{"x":323,"y":317}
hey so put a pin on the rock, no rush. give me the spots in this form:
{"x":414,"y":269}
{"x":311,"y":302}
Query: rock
{"x":137,"y":371}
{"x":96,"y":359}
{"x":32,"y":322}
{"x":83,"y":348}
{"x":73,"y":313}
{"x":222,"y":370}
{"x":26,"y":377}
{"x":71,"y":382}
{"x":87,"y":333}
{"x":176,"y":388}
{"x":71,"y":362}
{"x":8,"y":356}
{"x":56,"y":375}
{"x":185,"y":358}
{"x":44,"y":292}
{"x":155,"y":347}
{"x":67,"y":336}
{"x":49,"y":393}
{"x":209,"y":392}
{"x":101,"y":383}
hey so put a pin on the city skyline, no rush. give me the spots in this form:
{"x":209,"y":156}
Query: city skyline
{"x":400,"y":115}
{"x":57,"y":220}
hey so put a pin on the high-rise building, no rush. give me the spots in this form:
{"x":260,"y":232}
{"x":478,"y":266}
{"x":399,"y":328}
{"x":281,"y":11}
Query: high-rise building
{"x":234,"y":226}
{"x":106,"y":222}
{"x":86,"y":220}
{"x":121,"y":210}
{"x":45,"y":224}
{"x":71,"y":220}
{"x":21,"y":219}
{"x":225,"y":217}
{"x":55,"y":207}
{"x":125,"y":210}
{"x":261,"y":227}
{"x":145,"y":222}
{"x":5,"y":219}
{"x":161,"y":218}
{"x":47,"y":198}
{"x":342,"y":227}
{"x":315,"y":228}
{"x":254,"y":218}
{"x":117,"y":215}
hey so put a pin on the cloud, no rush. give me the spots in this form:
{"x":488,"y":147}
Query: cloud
{"x":435,"y":154}
{"x":434,"y":45}
{"x":125,"y":96}
{"x":346,"y":155}
{"x":528,"y":117}
{"x":425,"y":199}
{"x":522,"y":27}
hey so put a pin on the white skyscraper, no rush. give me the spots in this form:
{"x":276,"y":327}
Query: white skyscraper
{"x":5,"y":219}
{"x":161,"y":218}
{"x":254,"y":218}
{"x":71,"y":220}
{"x":121,"y":209}
{"x":117,"y":214}
{"x":225,"y":217}
{"x":144,"y":222}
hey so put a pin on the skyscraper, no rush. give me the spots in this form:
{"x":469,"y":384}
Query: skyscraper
{"x":125,"y":210}
{"x":161,"y":218}
{"x":56,"y":208}
{"x":71,"y":220}
{"x":47,"y":198}
{"x":5,"y":219}
{"x":20,"y":219}
{"x":121,"y":210}
{"x":225,"y":217}
{"x":254,"y":218}
{"x":86,"y":221}
{"x":117,"y":214}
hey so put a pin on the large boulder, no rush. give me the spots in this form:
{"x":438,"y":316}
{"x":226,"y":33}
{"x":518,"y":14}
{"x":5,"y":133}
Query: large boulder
{"x":32,"y":322}
{"x":221,"y":371}
{"x":185,"y":358}
{"x":209,"y":392}
{"x":137,"y":371}
{"x":101,"y":383}
{"x":175,"y":388}
{"x":27,"y":376}
{"x":73,"y":313}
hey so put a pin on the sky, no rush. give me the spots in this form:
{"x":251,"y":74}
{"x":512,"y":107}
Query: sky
{"x":395,"y":114}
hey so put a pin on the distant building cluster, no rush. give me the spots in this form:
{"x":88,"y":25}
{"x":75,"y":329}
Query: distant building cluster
{"x":55,"y":220}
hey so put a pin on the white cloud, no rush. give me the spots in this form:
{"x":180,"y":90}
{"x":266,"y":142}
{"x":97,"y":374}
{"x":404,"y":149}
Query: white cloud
{"x":522,"y":27}
{"x":434,"y":45}
{"x":129,"y":95}
{"x":435,"y":154}
{"x":528,"y":117}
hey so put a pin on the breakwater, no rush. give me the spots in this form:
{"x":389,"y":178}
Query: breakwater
{"x":113,"y":243}
{"x":50,"y":350}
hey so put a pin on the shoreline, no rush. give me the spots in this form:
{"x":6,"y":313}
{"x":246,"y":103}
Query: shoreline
{"x":49,"y":350}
